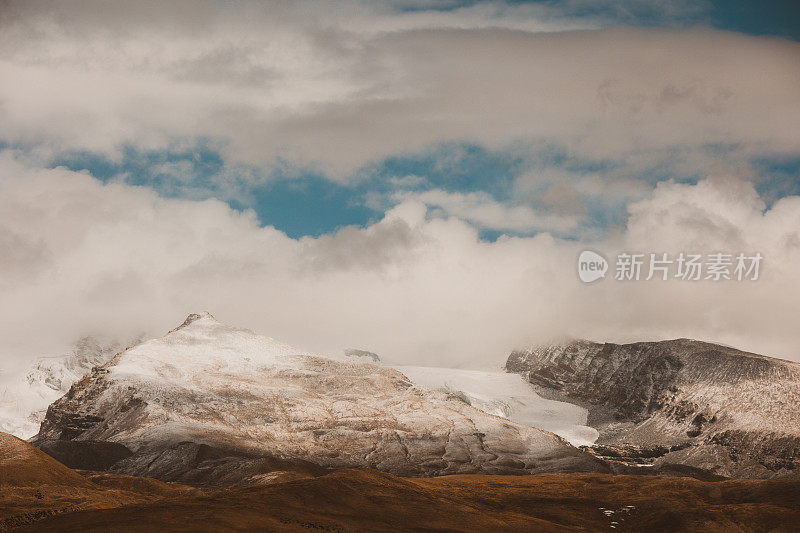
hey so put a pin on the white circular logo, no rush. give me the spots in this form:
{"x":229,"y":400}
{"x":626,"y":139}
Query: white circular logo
{"x":591,"y":266}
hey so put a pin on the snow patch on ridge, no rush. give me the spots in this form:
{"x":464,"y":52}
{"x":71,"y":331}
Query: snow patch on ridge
{"x":508,"y":396}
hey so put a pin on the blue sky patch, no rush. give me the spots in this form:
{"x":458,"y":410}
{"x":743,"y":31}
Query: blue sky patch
{"x":305,"y":203}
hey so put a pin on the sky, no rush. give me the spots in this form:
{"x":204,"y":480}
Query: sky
{"x":412,"y":177}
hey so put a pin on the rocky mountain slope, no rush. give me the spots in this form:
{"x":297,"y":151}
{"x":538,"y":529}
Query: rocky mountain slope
{"x":209,"y":398}
{"x":23,"y":401}
{"x":682,"y":401}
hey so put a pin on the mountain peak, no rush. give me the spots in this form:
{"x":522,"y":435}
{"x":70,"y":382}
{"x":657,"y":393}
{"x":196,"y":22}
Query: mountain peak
{"x":228,"y":387}
{"x":194,"y":317}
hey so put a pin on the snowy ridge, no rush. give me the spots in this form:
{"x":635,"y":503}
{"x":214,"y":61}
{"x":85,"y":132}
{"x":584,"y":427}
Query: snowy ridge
{"x":508,"y":396}
{"x":209,"y":383}
{"x":23,"y":402}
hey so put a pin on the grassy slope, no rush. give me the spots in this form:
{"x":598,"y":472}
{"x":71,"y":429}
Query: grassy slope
{"x":358,"y":500}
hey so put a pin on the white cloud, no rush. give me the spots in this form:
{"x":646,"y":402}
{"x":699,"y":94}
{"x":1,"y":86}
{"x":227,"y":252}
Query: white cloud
{"x":81,"y":257}
{"x":342,"y":85}
{"x":485,"y":212}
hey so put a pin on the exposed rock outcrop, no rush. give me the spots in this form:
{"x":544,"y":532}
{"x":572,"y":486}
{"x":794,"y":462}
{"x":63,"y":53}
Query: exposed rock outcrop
{"x":363,"y":355}
{"x":731,"y":412}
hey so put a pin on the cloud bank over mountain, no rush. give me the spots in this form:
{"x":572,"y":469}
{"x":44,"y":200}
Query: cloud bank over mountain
{"x":82,"y":256}
{"x":414,"y":178}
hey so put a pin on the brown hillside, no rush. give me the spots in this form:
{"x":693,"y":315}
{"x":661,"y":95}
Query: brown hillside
{"x":358,"y":500}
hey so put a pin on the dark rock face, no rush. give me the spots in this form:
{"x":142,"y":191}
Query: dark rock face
{"x":732,"y":412}
{"x":638,"y":373}
{"x":65,"y":424}
{"x":191,"y":463}
{"x":203,"y":465}
{"x":85,"y":455}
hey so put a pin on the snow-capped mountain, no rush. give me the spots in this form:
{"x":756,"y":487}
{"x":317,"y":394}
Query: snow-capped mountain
{"x":23,"y":402}
{"x":508,"y":396}
{"x":682,"y":401}
{"x":206,"y":384}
